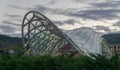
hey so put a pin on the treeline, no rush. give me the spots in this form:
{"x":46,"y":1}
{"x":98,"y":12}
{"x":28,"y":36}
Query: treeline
{"x":62,"y":62}
{"x":7,"y":41}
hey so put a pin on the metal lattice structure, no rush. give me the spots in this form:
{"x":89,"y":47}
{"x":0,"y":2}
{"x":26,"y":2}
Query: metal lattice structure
{"x":41,"y":36}
{"x":105,"y":49}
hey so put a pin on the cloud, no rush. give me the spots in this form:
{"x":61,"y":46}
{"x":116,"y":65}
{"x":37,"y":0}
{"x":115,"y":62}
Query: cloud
{"x":58,"y":22}
{"x":117,"y":24}
{"x":96,"y":14}
{"x":10,"y":23}
{"x":77,"y":1}
{"x":105,"y":28}
{"x":7,"y":29}
{"x":15,"y":7}
{"x":69,"y":21}
{"x":107,"y":4}
{"x":45,"y":9}
{"x":52,"y":2}
{"x":14,"y":16}
{"x":97,"y":11}
{"x":41,"y":8}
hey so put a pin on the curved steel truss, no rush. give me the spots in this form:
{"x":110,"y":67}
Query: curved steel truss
{"x":41,"y":36}
{"x":105,"y":49}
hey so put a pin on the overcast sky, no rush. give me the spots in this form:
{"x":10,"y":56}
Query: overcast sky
{"x":100,"y":15}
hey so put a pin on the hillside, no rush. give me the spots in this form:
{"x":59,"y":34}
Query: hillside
{"x":112,"y":38}
{"x":7,"y":41}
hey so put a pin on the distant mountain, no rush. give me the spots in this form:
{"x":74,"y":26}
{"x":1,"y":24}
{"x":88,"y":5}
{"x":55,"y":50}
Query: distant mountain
{"x":7,"y":41}
{"x":112,"y":38}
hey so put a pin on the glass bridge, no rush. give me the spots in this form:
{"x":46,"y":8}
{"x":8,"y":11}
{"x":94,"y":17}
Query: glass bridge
{"x":41,"y":36}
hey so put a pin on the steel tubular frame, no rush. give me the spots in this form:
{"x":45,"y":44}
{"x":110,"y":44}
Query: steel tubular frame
{"x":42,"y":36}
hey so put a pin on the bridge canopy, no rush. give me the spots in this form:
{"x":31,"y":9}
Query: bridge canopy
{"x":41,"y":36}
